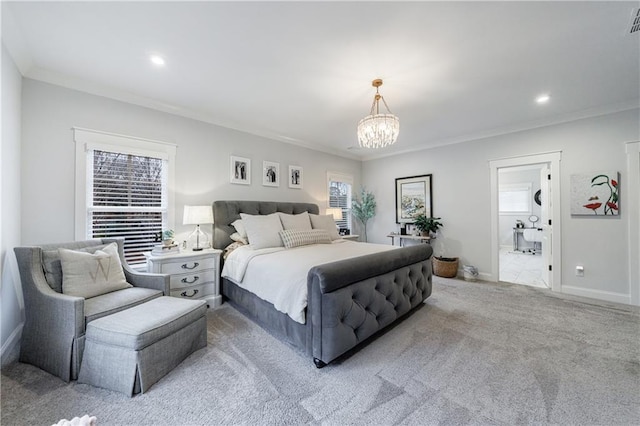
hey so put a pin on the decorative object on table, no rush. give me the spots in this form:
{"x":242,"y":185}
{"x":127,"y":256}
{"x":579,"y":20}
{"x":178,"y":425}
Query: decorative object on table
{"x":295,"y":177}
{"x":413,"y":197}
{"x":198,"y":215}
{"x":270,"y":173}
{"x":446,"y":267}
{"x":427,"y":225}
{"x":240,"y":170}
{"x":519,"y":224}
{"x":378,"y":130}
{"x":533,"y":219}
{"x":167,"y":237}
{"x":364,"y":208}
{"x":595,"y":194}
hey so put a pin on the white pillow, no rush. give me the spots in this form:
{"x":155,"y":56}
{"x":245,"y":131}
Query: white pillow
{"x":325,"y":222}
{"x":263,"y":231}
{"x":295,"y":221}
{"x":240,"y":228}
{"x":238,"y":238}
{"x":92,"y":274}
{"x":302,"y":237}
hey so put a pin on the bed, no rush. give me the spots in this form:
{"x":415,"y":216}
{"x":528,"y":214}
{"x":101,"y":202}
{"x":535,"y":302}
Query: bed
{"x":348,"y":301}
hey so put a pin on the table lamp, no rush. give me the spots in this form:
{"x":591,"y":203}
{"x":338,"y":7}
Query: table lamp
{"x":198,"y":215}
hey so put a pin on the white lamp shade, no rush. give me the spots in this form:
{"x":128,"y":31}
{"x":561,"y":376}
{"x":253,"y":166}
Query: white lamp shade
{"x":335,"y":212}
{"x":197,"y":215}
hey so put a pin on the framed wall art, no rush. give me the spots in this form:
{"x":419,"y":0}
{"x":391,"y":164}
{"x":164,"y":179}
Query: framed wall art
{"x":295,"y":177}
{"x":240,"y":170}
{"x":413,"y":197}
{"x":595,"y":194}
{"x":270,"y":173}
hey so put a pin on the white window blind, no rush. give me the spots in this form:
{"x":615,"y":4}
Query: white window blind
{"x":340,"y":196}
{"x":127,"y":197}
{"x":515,"y":198}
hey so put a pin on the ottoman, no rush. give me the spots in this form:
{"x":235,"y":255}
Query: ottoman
{"x":132,"y":349}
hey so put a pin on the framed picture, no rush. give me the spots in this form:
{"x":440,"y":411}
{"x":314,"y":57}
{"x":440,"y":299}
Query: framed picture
{"x":295,"y":177}
{"x":595,"y":194}
{"x":270,"y":173}
{"x":240,"y":170}
{"x":413,"y":197}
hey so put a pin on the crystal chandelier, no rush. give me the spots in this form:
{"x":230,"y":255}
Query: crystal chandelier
{"x":378,"y":130}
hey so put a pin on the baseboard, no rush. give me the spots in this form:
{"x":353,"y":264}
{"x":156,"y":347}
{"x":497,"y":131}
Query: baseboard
{"x":8,"y":353}
{"x":597,"y":294}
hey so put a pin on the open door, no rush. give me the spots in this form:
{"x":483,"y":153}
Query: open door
{"x":546,"y":224}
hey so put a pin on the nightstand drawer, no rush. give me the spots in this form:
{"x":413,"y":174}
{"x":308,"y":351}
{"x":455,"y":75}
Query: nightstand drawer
{"x":185,"y":266}
{"x":193,"y":278}
{"x":194,"y":292}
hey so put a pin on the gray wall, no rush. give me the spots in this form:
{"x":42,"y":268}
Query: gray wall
{"x":202,"y":160}
{"x":11,"y":294}
{"x":461,"y":193}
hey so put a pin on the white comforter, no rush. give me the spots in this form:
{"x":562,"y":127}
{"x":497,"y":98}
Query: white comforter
{"x":279,"y":275}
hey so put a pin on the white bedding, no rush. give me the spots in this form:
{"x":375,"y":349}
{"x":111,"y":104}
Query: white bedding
{"x":279,"y":275}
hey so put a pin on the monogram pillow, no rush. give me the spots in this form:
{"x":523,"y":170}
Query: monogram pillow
{"x":92,"y":274}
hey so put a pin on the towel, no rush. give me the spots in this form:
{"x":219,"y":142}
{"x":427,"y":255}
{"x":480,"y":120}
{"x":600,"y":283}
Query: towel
{"x":532,"y":234}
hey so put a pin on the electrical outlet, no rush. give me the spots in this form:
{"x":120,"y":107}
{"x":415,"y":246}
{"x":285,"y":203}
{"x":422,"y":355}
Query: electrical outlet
{"x":579,"y":271}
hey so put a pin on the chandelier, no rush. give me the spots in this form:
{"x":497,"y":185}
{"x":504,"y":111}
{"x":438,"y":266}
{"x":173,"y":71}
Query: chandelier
{"x":378,"y":130}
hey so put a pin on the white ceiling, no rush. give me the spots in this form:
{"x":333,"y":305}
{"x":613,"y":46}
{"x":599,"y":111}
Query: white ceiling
{"x":301,"y":72}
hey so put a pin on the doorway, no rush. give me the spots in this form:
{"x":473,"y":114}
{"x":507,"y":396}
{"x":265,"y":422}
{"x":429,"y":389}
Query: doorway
{"x":521,"y":258}
{"x":539,"y":224}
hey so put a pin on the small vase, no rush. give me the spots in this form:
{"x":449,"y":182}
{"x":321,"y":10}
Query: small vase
{"x":167,"y":242}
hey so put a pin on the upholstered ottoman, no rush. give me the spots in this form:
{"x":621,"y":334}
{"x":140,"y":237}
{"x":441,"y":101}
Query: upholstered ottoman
{"x":131,"y":350}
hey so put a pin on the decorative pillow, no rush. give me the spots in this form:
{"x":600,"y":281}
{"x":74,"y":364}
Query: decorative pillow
{"x":325,"y":222}
{"x":262,"y":231}
{"x":298,"y":237}
{"x":53,"y":268}
{"x":295,"y":221}
{"x":88,"y":275}
{"x":240,"y":228}
{"x":231,"y":247}
{"x":237,"y":237}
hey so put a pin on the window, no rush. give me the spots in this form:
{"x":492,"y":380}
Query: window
{"x":340,"y":196}
{"x":515,"y":198}
{"x":125,"y":190}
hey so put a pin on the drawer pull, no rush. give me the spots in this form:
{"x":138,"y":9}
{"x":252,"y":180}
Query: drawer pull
{"x":184,"y":293}
{"x":195,"y":265}
{"x":186,"y":280}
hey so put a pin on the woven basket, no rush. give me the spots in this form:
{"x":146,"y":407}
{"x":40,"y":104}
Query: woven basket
{"x":446,"y":267}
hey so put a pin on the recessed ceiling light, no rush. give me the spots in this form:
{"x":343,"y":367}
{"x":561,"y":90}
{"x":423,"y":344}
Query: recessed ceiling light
{"x":157,"y":60}
{"x":543,"y":99}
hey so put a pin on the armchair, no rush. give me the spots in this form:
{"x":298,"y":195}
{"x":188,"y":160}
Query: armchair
{"x":54,"y":329}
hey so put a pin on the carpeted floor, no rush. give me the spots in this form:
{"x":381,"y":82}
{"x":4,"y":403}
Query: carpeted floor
{"x":475,"y":353}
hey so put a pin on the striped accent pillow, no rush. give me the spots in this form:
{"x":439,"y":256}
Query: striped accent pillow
{"x":302,"y":237}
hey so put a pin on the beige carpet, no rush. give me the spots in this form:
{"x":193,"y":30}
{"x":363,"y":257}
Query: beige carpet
{"x":475,"y":353}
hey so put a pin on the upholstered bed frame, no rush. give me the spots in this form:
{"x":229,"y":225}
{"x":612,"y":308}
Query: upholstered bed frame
{"x":348,"y":300}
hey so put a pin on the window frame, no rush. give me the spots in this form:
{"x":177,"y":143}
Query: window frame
{"x":344,"y":178}
{"x":88,"y":140}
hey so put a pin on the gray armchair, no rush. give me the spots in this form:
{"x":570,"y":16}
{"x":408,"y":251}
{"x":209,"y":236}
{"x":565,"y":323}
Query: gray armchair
{"x":54,"y":329}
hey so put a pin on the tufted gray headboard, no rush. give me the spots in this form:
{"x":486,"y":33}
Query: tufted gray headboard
{"x":226,"y":212}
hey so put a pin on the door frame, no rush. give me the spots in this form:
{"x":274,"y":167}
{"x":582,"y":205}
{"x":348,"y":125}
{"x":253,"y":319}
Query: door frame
{"x":553,"y":159}
{"x":633,"y":198}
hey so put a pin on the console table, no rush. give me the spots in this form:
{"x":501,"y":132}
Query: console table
{"x":401,"y":238}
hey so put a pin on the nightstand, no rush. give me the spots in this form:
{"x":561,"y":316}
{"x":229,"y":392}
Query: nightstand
{"x":194,"y":274}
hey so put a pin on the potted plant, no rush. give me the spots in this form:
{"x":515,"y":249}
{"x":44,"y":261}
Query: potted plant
{"x":167,"y":237}
{"x":364,"y":209}
{"x":427,"y":225}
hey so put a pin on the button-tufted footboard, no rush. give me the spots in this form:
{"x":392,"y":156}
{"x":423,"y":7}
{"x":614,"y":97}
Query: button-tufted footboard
{"x":351,"y":300}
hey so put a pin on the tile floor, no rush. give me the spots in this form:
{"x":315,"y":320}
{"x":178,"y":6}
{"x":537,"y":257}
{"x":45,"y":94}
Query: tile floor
{"x":521,"y":268}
